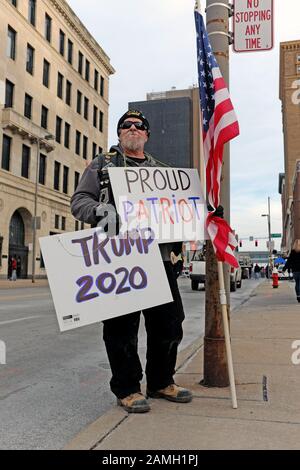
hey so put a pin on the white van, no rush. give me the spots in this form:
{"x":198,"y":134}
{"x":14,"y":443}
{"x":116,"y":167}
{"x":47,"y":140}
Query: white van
{"x":197,"y":272}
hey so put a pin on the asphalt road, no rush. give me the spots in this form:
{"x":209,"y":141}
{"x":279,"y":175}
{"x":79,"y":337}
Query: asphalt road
{"x":54,"y":384}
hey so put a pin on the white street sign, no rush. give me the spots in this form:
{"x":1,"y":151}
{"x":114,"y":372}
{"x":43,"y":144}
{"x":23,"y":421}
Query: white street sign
{"x":253,"y":25}
{"x":94,"y":278}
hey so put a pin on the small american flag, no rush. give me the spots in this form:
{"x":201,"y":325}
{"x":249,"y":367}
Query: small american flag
{"x":219,"y":126}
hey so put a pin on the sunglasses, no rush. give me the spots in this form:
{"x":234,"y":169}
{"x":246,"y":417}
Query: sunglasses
{"x":138,"y":125}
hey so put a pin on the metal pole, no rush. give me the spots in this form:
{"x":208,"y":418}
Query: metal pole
{"x":215,"y":372}
{"x":269,"y":233}
{"x":35,"y":210}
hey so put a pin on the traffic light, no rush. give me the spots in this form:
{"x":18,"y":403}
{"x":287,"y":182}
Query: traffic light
{"x":256,"y":243}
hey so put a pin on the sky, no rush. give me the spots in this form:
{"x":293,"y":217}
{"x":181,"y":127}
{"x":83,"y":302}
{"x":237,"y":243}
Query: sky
{"x":152,"y":46}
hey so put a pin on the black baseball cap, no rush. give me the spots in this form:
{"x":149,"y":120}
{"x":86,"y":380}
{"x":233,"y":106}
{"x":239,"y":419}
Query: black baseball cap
{"x":134,"y":113}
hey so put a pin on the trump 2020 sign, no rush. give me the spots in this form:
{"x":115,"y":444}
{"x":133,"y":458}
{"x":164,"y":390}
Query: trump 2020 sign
{"x":93,"y":277}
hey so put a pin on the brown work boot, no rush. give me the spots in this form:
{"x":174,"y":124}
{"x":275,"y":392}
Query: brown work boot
{"x":173,"y":393}
{"x":134,"y":403}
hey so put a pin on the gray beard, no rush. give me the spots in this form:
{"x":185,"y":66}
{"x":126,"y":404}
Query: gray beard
{"x":136,"y":145}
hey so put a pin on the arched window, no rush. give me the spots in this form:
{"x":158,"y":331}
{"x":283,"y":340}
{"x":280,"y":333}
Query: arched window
{"x":16,"y":230}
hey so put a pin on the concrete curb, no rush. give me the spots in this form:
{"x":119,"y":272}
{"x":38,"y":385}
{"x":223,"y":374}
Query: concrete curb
{"x":91,"y":436}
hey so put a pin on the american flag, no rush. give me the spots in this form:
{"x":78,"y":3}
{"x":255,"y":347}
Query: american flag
{"x":219,"y":126}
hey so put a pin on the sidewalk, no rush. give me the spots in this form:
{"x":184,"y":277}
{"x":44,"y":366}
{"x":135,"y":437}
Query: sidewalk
{"x":7,"y":284}
{"x":268,"y":415}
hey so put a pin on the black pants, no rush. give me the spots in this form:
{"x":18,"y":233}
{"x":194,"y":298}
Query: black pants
{"x":164,"y":333}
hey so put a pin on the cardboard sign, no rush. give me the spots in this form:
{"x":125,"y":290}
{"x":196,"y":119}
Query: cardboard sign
{"x":94,"y":278}
{"x":169,"y":200}
{"x":253,"y":25}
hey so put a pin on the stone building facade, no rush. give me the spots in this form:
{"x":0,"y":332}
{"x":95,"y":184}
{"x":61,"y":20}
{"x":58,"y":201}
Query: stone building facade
{"x":54,"y":88}
{"x":288,"y":181}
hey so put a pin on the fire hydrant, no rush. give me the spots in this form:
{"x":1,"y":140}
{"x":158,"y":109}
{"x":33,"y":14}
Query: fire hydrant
{"x":275,"y":283}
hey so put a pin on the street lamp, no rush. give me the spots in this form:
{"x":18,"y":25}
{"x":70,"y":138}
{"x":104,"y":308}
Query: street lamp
{"x":34,"y":221}
{"x":269,"y":233}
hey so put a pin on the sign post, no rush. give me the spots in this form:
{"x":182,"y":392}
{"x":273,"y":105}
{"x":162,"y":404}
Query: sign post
{"x":253,"y":25}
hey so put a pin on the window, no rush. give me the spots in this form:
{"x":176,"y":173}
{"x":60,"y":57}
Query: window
{"x":9,"y":94}
{"x":63,"y":223}
{"x":11,"y":43}
{"x":100,"y":149}
{"x":76,"y":180}
{"x":67,"y":135}
{"x":60,"y":82}
{"x":86,"y":108}
{"x":62,"y":37}
{"x":65,"y":179}
{"x":76,"y":225}
{"x":298,"y":69}
{"x":56,"y":176}
{"x":14,"y":2}
{"x":87,"y":70}
{"x":82,"y":225}
{"x":56,"y":221}
{"x":70,"y":52}
{"x":102,"y":86}
{"x":78,"y":142}
{"x":68,"y":92}
{"x":79,"y":99}
{"x":31,"y":11}
{"x":85,"y":147}
{"x":58,"y":129}
{"x":29,"y":59}
{"x":95,"y":114}
{"x":80,"y":62}
{"x":96,"y":80}
{"x":28,"y":106}
{"x":44,"y":117}
{"x":6,"y":146}
{"x":101,"y":121}
{"x":298,"y":58}
{"x":48,"y":27}
{"x":46,"y":73}
{"x":42,"y":169}
{"x":25,"y":161}
{"x":94,"y":150}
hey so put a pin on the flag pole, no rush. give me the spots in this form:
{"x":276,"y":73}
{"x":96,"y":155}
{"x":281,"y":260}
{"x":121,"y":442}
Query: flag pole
{"x":222,"y":292}
{"x":223,"y":302}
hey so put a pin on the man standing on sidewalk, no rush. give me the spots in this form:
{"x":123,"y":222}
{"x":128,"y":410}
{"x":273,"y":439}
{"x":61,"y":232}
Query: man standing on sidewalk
{"x":93,"y":203}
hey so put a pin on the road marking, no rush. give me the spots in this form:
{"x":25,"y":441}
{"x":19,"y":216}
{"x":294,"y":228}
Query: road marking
{"x":19,"y":319}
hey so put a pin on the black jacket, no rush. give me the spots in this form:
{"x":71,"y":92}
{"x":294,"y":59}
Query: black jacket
{"x":95,"y":180}
{"x":293,"y":262}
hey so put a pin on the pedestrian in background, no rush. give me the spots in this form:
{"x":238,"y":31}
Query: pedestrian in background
{"x":19,"y":265}
{"x":14,"y":269}
{"x":256,"y":271}
{"x":293,"y":263}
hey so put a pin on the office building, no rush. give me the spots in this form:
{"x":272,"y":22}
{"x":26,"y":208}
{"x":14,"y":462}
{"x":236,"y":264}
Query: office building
{"x":54,"y":88}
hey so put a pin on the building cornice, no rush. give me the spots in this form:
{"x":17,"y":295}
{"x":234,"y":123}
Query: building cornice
{"x":85,"y":36}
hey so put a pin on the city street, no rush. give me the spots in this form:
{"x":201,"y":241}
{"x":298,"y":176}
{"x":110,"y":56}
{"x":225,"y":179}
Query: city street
{"x":56,"y":383}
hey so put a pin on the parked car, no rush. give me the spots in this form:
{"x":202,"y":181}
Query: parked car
{"x":197,"y":272}
{"x":197,"y":269}
{"x":235,"y":278}
{"x":282,"y":275}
